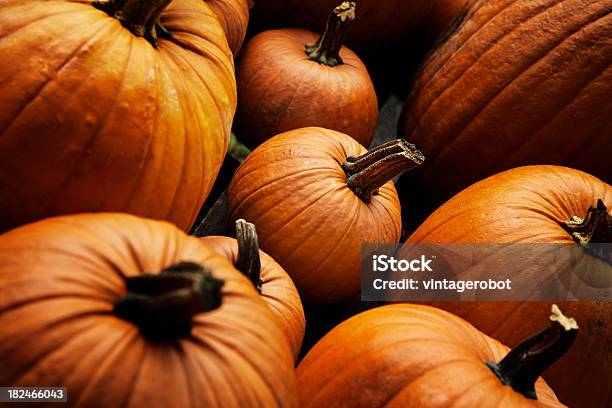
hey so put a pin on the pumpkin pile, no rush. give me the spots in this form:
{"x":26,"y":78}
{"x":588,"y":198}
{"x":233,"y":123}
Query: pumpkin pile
{"x":187,"y":186}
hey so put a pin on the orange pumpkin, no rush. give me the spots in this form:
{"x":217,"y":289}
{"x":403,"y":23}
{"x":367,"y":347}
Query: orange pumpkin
{"x":536,"y":204}
{"x":234,"y":18}
{"x":128,"y":311}
{"x":419,"y":356}
{"x":270,"y":279}
{"x":316,"y":196}
{"x":94,"y":117}
{"x":520,"y":82}
{"x":287,"y":79}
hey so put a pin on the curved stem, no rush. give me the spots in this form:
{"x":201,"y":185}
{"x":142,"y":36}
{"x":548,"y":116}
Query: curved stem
{"x":327,"y":48}
{"x":141,"y":17}
{"x":594,"y":228}
{"x":355,"y":164}
{"x":526,"y":362}
{"x":248,"y":261}
{"x":367,"y":173}
{"x":163,"y":305}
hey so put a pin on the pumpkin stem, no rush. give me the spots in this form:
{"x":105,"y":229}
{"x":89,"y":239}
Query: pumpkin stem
{"x":594,"y":228}
{"x":526,"y":362}
{"x":326,"y":50}
{"x":163,"y":305}
{"x":248,"y":261}
{"x":370,"y":171}
{"x":141,"y":17}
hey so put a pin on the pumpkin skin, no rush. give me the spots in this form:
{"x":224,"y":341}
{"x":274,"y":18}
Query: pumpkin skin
{"x":520,"y":82}
{"x":525,"y":205}
{"x":96,"y":119}
{"x":294,"y":189}
{"x":299,"y":92}
{"x":377,"y":23}
{"x":408,"y":356}
{"x":60,"y":278}
{"x":234,"y":18}
{"x":277,"y":290}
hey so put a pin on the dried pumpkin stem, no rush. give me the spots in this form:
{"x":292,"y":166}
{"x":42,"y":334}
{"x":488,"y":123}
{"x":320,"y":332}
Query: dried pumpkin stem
{"x":367,"y":173}
{"x":355,"y":164}
{"x":163,"y":305}
{"x":526,"y":362}
{"x":594,"y":228}
{"x":141,"y":17}
{"x":326,"y":50}
{"x":248,"y":261}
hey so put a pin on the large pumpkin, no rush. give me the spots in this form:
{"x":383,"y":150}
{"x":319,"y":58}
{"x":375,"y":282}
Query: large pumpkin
{"x":292,"y":78}
{"x":270,"y":279}
{"x":419,"y":356}
{"x":234,"y":18}
{"x":534,"y":204}
{"x":316,"y":197}
{"x":125,"y":311}
{"x":378,"y":22}
{"x":94,"y":117}
{"x":520,"y":82}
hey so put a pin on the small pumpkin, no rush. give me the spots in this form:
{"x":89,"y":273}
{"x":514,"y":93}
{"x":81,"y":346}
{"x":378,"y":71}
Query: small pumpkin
{"x":536,"y":204}
{"x":103,"y":108}
{"x":129,"y":311}
{"x":419,"y":356}
{"x":289,"y":79}
{"x":521,"y":82}
{"x":378,"y":22}
{"x":316,"y":196}
{"x":269,"y":278}
{"x":234,"y":18}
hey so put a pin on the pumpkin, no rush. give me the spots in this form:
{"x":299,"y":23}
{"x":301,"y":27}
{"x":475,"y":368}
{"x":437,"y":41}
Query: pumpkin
{"x":304,"y":81}
{"x":269,"y":278}
{"x":234,"y":18}
{"x":128,"y":311}
{"x":103,"y":108}
{"x":316,"y":196}
{"x":520,"y":82}
{"x":420,"y":356}
{"x":536,"y":204}
{"x":378,"y":22}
